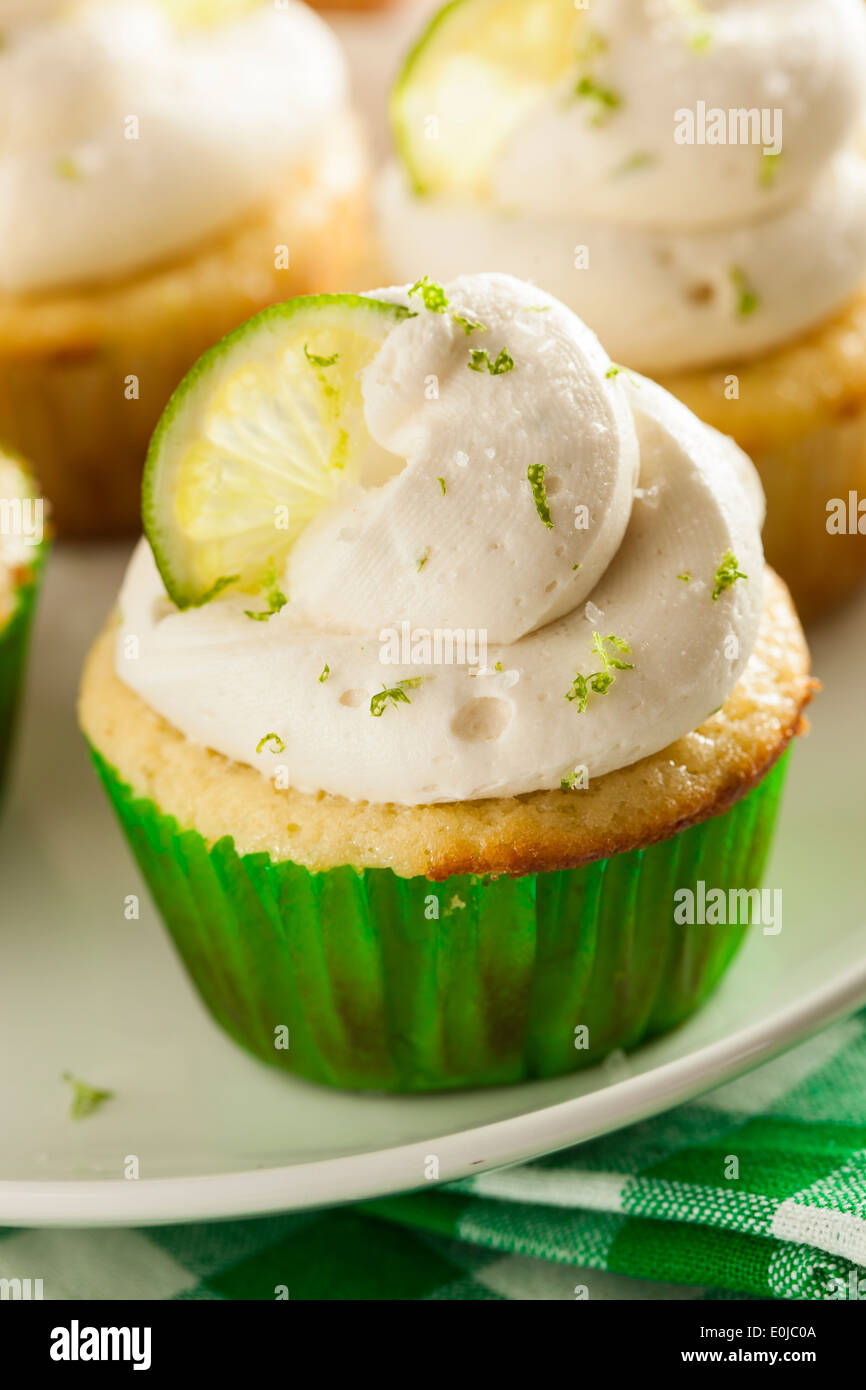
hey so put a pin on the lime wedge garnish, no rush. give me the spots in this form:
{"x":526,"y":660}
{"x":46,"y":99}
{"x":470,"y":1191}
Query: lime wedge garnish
{"x":473,"y":75}
{"x":259,"y":436}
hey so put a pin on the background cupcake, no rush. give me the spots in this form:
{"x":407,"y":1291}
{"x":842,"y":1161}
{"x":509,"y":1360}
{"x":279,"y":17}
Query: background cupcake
{"x":690,"y":178}
{"x":167,"y":169}
{"x":22,"y":554}
{"x":388,"y":868}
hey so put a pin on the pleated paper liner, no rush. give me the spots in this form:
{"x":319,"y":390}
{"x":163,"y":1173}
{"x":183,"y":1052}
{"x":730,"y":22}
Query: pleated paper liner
{"x":14,"y":644}
{"x":363,"y":979}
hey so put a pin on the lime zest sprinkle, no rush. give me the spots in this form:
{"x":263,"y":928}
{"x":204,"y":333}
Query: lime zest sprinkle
{"x":275,"y":597}
{"x":685,"y":576}
{"x":578,"y":566}
{"x":433,"y":295}
{"x":498,"y":666}
{"x":85,"y":1098}
{"x":726,"y":575}
{"x":535,"y":473}
{"x":326,"y":671}
{"x":65,"y":167}
{"x":572,"y":781}
{"x":423,"y":559}
{"x":769,"y":168}
{"x":538,"y":308}
{"x":469,"y":325}
{"x":592,"y":47}
{"x":641,"y":159}
{"x":605,"y":99}
{"x":316,"y":361}
{"x":614,"y":370}
{"x":394,"y":695}
{"x":441,"y":482}
{"x":479,"y":358}
{"x":600,"y":681}
{"x":747,"y":299}
{"x":216,"y":589}
{"x":696,"y":17}
{"x":279,"y":746}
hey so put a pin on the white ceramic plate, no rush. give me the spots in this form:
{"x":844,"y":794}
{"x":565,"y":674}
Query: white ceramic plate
{"x":218,"y":1134}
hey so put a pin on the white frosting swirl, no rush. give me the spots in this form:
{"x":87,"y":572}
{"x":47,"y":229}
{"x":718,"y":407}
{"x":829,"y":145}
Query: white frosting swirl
{"x":123,"y":139}
{"x":673,"y":232}
{"x":478,"y":555}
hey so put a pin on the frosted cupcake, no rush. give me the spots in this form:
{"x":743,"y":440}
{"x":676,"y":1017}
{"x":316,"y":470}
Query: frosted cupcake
{"x":690,"y":179}
{"x":23,"y":546}
{"x":167,"y":168}
{"x":451,"y":660}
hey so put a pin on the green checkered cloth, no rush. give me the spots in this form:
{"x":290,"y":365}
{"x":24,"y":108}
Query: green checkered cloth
{"x":757,"y":1190}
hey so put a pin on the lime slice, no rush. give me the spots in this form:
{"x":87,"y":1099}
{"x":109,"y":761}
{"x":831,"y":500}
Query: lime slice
{"x":258,"y":438}
{"x":475,"y":72}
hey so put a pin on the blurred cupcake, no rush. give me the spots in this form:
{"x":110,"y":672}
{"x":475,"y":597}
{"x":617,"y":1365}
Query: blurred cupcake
{"x":440,"y":826}
{"x":168,"y":167}
{"x":23,"y":546}
{"x":690,"y":180}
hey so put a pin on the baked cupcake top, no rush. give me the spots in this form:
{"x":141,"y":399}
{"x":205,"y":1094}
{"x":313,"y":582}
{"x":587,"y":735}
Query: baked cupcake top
{"x":686,"y":175}
{"x":131,"y":129}
{"x":431,"y":544}
{"x":22,"y":529}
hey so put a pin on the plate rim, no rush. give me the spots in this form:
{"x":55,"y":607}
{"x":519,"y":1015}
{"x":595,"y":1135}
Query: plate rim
{"x":382,"y":1172}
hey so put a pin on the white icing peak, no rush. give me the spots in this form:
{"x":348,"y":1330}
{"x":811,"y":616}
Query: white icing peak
{"x":639,"y":494}
{"x":650,"y":159}
{"x":123,"y":139}
{"x":678,"y":193}
{"x":488,"y":559}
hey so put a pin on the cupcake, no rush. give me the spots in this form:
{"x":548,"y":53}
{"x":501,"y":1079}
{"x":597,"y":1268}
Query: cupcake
{"x":23,"y":545}
{"x":691,"y":180}
{"x":168,"y":168}
{"x":447,"y":686}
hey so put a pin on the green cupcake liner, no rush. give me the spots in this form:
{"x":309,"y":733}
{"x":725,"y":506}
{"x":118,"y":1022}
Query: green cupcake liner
{"x":399,"y":984}
{"x":14,"y":644}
